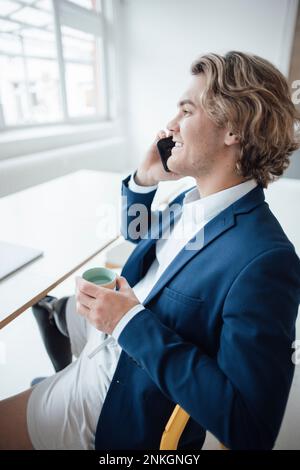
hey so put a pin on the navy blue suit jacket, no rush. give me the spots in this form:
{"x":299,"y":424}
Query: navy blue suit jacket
{"x":215,"y":337}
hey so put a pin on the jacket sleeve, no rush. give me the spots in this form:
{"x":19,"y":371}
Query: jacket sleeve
{"x":241,"y":394}
{"x":136,"y":213}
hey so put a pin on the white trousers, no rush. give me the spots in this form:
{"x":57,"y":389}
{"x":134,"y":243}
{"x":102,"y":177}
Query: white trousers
{"x":63,"y":410}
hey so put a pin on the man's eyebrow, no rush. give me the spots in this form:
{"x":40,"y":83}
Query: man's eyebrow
{"x":183,"y":102}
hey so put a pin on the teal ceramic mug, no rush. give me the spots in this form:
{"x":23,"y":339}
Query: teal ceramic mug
{"x":101,"y":276}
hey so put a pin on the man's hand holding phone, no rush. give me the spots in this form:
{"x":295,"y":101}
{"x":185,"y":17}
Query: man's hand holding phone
{"x":151,"y":171}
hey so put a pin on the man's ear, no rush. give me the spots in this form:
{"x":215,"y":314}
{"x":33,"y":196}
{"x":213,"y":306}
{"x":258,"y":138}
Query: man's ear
{"x":231,"y":138}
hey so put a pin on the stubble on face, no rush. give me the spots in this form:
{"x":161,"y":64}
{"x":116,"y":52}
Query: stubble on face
{"x":202,"y":138}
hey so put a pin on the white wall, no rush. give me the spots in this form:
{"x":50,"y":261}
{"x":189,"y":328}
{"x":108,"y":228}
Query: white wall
{"x":163,"y":37}
{"x":28,"y":170}
{"x":293,"y":170}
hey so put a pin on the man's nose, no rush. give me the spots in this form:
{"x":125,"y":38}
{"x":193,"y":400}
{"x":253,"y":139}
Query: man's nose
{"x":173,"y":125}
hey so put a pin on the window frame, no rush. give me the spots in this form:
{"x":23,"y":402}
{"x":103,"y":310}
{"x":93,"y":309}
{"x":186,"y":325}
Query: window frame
{"x":70,"y":14}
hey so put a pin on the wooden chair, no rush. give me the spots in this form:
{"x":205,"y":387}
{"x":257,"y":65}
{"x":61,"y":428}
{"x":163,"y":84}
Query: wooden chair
{"x":174,"y":429}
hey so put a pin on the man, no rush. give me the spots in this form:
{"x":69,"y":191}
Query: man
{"x":204,"y":318}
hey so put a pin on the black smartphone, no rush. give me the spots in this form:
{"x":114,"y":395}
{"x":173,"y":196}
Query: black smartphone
{"x":165,"y":149}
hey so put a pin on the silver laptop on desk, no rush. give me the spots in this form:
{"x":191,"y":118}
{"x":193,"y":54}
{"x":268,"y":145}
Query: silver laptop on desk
{"x":14,"y":257}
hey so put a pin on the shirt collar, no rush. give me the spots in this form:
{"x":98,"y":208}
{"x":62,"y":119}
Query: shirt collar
{"x":206,"y":208}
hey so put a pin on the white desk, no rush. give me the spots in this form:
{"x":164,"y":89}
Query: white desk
{"x":71,"y":218}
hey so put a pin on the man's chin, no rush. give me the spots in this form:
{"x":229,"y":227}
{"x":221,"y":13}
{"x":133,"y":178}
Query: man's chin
{"x":172,"y":165}
{"x":175,"y":167}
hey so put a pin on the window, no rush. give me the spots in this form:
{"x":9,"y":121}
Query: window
{"x":52,"y":62}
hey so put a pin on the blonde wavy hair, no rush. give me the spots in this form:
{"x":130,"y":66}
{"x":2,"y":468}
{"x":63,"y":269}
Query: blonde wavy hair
{"x":251,"y":97}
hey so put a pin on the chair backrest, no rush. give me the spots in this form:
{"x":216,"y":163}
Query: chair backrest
{"x":174,"y":429}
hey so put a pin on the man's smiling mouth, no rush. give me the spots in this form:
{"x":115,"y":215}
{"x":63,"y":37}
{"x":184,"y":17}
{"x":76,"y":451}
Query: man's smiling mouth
{"x":178,"y":144}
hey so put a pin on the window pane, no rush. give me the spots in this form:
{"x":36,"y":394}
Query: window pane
{"x":13,"y":91}
{"x":32,"y":16}
{"x":8,"y":7}
{"x":82,"y":54}
{"x":43,"y":84}
{"x":38,"y":43}
{"x":10,"y":44}
{"x":44,"y":4}
{"x":80,"y":90}
{"x":34,"y":100}
{"x":29,"y":2}
{"x":89,"y":4}
{"x":7,"y":26}
{"x":78,"y":45}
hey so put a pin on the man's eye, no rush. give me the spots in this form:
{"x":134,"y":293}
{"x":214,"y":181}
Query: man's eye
{"x":185,"y":111}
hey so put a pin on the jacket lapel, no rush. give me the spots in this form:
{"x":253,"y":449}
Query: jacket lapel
{"x":221,"y":223}
{"x":212,"y":230}
{"x":216,"y":227}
